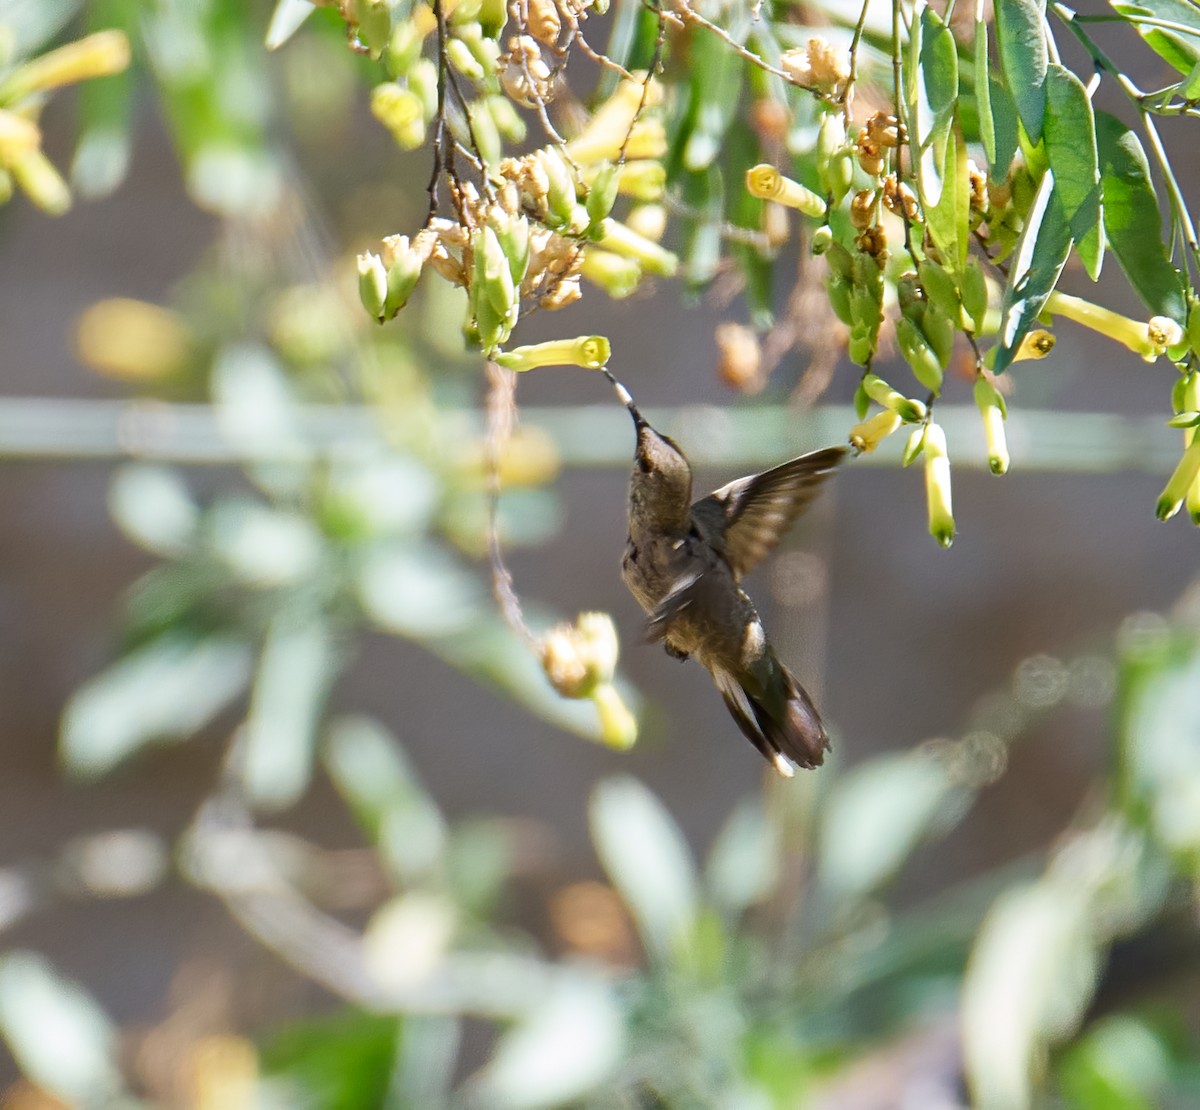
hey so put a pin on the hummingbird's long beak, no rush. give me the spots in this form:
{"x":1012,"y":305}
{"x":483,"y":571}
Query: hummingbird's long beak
{"x":623,"y":395}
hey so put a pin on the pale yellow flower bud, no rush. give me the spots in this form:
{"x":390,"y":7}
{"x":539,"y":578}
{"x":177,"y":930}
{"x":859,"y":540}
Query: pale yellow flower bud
{"x":937,"y":486}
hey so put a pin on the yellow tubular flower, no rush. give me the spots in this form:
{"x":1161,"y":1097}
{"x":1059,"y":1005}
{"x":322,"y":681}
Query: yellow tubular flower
{"x":1130,"y":333}
{"x":589,"y":351}
{"x":98,"y":55}
{"x":132,"y":340}
{"x":43,"y":184}
{"x":1036,"y":345}
{"x":937,"y":486}
{"x":18,"y":136}
{"x":767,"y":183}
{"x":870,"y":433}
{"x":991,"y":408}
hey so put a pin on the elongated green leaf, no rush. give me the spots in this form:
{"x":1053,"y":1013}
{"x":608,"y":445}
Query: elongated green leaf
{"x":716,"y":90}
{"x":165,"y":690}
{"x":286,"y":20}
{"x":1133,"y":221}
{"x":1021,"y":40}
{"x":1004,"y":127}
{"x":876,"y":814}
{"x":1070,"y":134}
{"x":983,"y":97}
{"x":1040,"y":256}
{"x":949,"y":220}
{"x":58,"y":1034}
{"x":936,"y":99}
{"x":743,"y":863}
{"x":297,"y":667}
{"x":647,"y":860}
{"x":1177,"y":49}
{"x":568,"y":1045}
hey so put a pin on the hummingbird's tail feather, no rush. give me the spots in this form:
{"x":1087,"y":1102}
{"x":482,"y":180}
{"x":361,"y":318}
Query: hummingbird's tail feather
{"x":783,"y":724}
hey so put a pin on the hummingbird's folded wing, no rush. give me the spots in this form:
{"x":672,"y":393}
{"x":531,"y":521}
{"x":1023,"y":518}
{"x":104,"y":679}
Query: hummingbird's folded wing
{"x":747,"y":518}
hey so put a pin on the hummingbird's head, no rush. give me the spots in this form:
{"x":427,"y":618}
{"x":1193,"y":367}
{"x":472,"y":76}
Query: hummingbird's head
{"x":660,"y":488}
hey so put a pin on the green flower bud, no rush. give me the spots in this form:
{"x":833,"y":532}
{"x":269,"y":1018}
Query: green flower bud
{"x":939,"y":329}
{"x":838,"y":288}
{"x":493,"y":14}
{"x":914,"y":446}
{"x":911,"y":411}
{"x":647,"y":254}
{"x":602,"y":194}
{"x":617,"y":276}
{"x":485,"y":133}
{"x":485,"y":51}
{"x":374,"y":19}
{"x":496,"y":272}
{"x":404,"y":48}
{"x":507,"y":119}
{"x":589,"y":351}
{"x":461,"y":58}
{"x":513,"y":234}
{"x":975,"y":294}
{"x":937,"y":486}
{"x":561,"y":193}
{"x":822,"y":238}
{"x":403,"y":271}
{"x":939,"y":288}
{"x":1180,"y":482}
{"x":401,"y":112}
{"x":372,"y":283}
{"x":422,"y":80}
{"x":919,"y":355}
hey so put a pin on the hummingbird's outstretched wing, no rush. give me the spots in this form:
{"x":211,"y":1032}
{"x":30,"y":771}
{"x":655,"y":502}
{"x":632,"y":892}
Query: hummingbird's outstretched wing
{"x":747,"y":518}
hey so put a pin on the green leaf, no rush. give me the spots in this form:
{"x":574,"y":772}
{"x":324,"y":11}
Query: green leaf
{"x":1178,"y":50}
{"x":105,"y":144}
{"x":342,"y":1062}
{"x":567,"y":1046}
{"x":1040,"y":256}
{"x":1032,"y":971}
{"x":152,"y":506}
{"x":371,"y":772}
{"x":1133,"y":221}
{"x":949,"y":220}
{"x":874,"y":817}
{"x":286,"y":20}
{"x":1021,"y":41}
{"x":165,"y":690}
{"x":647,"y":859}
{"x":59,"y":1036}
{"x":1070,"y":134}
{"x":1005,"y":136}
{"x":743,"y":863}
{"x":936,"y":98}
{"x":296,"y":669}
{"x":983,"y":99}
{"x":716,"y":90}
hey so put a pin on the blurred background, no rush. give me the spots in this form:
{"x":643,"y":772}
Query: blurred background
{"x":271,"y":545}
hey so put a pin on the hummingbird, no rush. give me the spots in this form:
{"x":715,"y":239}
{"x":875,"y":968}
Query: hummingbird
{"x":684,"y":563}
